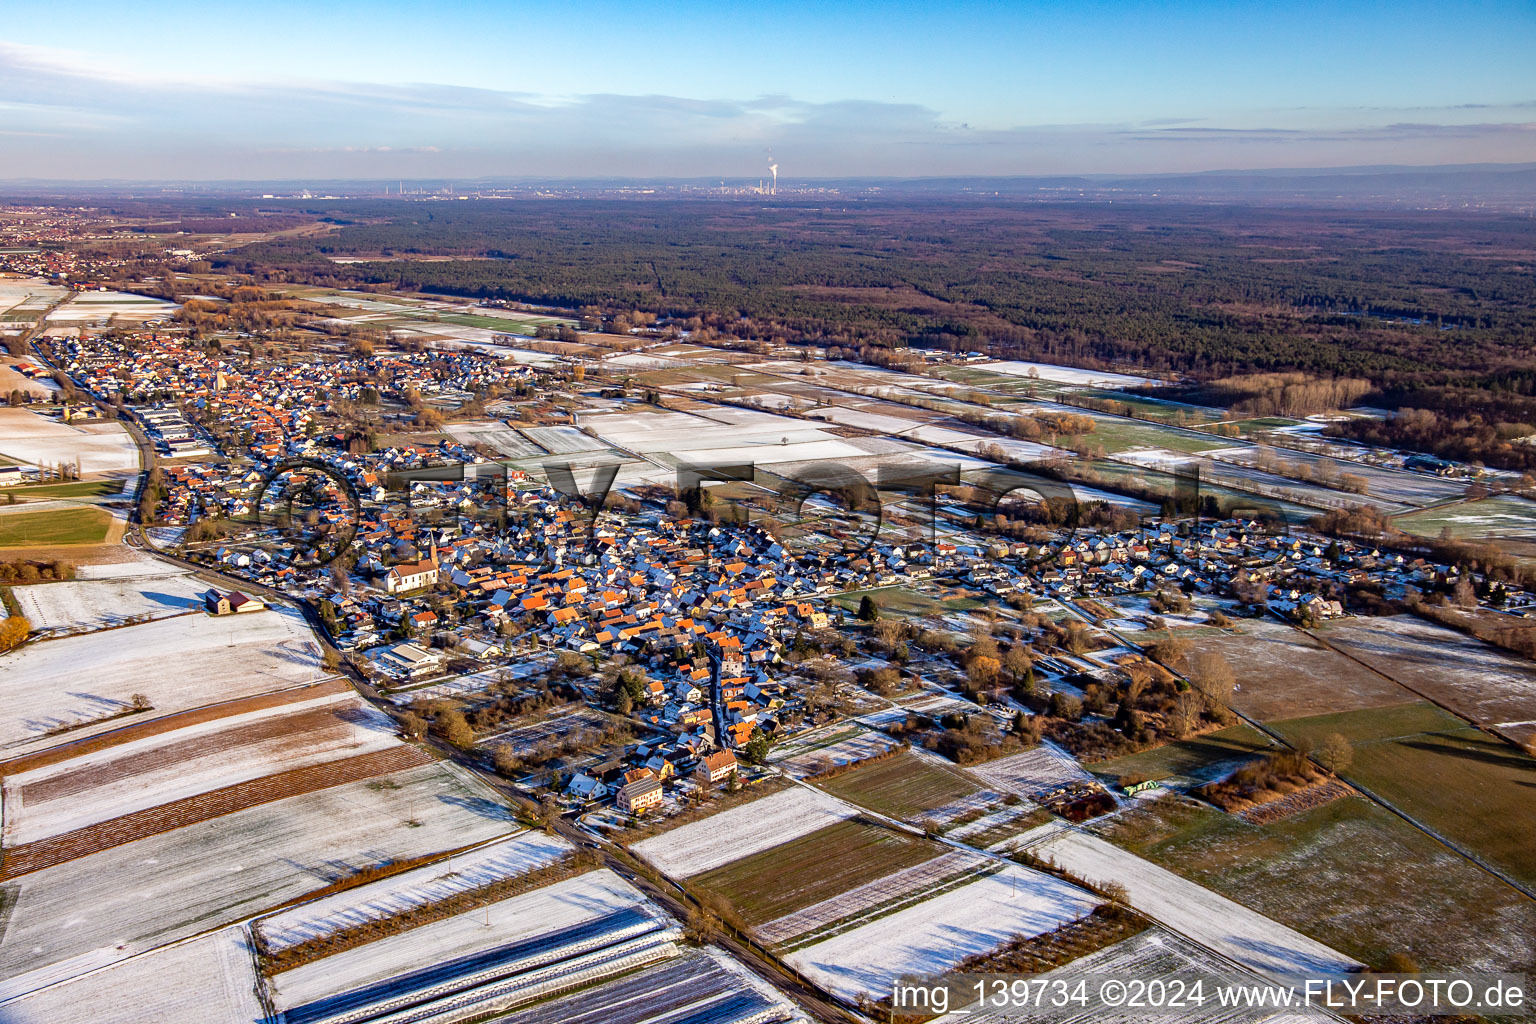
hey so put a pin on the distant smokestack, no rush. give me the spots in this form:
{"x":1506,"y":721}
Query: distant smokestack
{"x":774,"y":170}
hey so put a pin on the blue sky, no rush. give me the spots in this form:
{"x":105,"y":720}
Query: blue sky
{"x":217,"y":90}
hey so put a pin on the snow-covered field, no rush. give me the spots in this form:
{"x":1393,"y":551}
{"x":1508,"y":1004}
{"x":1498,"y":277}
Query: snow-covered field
{"x":1064,"y":374}
{"x":868,"y":896}
{"x":85,"y":605}
{"x":497,"y":435}
{"x":98,"y":447}
{"x":29,"y":293}
{"x":136,"y":564}
{"x":208,"y":980}
{"x":171,"y":766}
{"x":1032,"y":772}
{"x":1154,"y":953}
{"x":712,"y":986}
{"x":938,"y":933}
{"x":834,"y":744}
{"x":1193,"y":910}
{"x":741,"y":831}
{"x":562,"y":905}
{"x":111,"y":905}
{"x":1482,"y":682}
{"x":88,"y":307}
{"x":434,"y":883}
{"x":722,"y":436}
{"x":178,"y":663}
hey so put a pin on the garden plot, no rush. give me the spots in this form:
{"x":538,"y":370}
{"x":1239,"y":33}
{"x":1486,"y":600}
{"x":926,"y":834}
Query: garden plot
{"x":208,"y":980}
{"x":936,"y":934}
{"x":827,"y":746}
{"x":77,"y":683}
{"x":525,"y":736}
{"x":498,"y":435}
{"x":81,"y":606}
{"x":164,"y":768}
{"x":742,"y":830}
{"x":180,"y":883}
{"x":1479,"y":681}
{"x":515,"y":855}
{"x":1214,"y":921}
{"x":1035,"y":772}
{"x":104,"y":447}
{"x":534,"y":931}
{"x":712,"y":986}
{"x":871,"y":898}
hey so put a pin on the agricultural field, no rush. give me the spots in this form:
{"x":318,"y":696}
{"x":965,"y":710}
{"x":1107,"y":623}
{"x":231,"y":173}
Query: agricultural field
{"x":209,"y":979}
{"x":1189,"y":762}
{"x":741,"y":831}
{"x":720,"y":436}
{"x":937,"y":933}
{"x":1282,"y":672}
{"x":81,"y":606}
{"x":497,"y":435}
{"x":879,"y":896}
{"x":1064,"y":374}
{"x":74,"y":489}
{"x":1034,"y":772}
{"x":827,"y":746}
{"x":590,"y":917}
{"x":170,"y":886}
{"x":90,"y":789}
{"x":709,"y":983}
{"x":1349,"y":873}
{"x":813,"y":867}
{"x":91,"y":307}
{"x":1251,"y":939}
{"x":59,"y":527}
{"x":1491,"y":687}
{"x":26,"y":298}
{"x":1472,"y":788}
{"x":1502,"y":516}
{"x":98,"y":447}
{"x":1154,"y":953}
{"x":905,"y":786}
{"x":433,"y":883}
{"x":1384,"y":485}
{"x":67,"y":688}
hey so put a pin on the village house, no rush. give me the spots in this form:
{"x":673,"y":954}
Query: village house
{"x":640,"y":795}
{"x":715,"y":767}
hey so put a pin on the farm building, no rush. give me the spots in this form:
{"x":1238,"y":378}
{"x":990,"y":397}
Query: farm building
{"x":232,"y":603}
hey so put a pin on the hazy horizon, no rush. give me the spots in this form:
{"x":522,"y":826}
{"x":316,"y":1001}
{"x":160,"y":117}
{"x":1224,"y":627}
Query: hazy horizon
{"x":604,"y":90}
